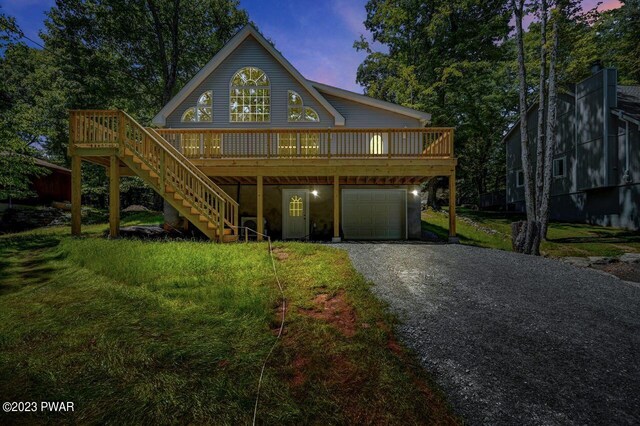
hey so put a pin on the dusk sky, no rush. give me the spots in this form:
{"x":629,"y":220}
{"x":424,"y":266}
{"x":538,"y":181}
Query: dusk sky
{"x":315,"y":36}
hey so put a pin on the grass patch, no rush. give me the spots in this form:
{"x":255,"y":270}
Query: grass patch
{"x":176,"y":332}
{"x":493,"y":230}
{"x":142,"y":218}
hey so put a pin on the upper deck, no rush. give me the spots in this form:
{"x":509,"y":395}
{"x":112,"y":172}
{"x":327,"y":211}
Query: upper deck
{"x":408,"y":154}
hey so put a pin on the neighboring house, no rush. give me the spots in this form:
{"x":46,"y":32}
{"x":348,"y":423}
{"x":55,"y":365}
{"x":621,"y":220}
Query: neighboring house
{"x":250,"y":142}
{"x":55,"y":185}
{"x":596,"y":160}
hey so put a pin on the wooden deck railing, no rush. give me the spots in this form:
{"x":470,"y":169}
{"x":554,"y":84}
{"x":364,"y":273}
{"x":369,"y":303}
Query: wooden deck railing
{"x":116,"y":129}
{"x":312,"y":143}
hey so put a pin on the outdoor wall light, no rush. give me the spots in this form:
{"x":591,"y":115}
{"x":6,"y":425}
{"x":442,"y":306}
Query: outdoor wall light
{"x":314,"y":192}
{"x":415,"y":192}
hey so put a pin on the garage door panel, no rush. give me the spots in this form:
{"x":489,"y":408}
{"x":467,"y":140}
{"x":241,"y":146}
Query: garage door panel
{"x":374,"y":213}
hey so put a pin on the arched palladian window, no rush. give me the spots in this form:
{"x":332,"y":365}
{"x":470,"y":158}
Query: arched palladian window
{"x":189,"y":115}
{"x":250,"y":96}
{"x":298,"y":112}
{"x":203,"y":111}
{"x":295,"y":206}
{"x":378,"y":144}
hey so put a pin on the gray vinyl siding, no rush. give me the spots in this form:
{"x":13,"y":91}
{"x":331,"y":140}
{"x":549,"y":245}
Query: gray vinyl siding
{"x":514,"y":157}
{"x":250,"y":53}
{"x":564,"y":147}
{"x":593,"y":148}
{"x":634,"y":151}
{"x":358,"y":115}
{"x":592,"y":140}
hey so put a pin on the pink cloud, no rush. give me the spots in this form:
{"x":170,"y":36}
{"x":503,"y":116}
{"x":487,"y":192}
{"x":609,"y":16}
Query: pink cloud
{"x":601,"y":4}
{"x":609,"y":4}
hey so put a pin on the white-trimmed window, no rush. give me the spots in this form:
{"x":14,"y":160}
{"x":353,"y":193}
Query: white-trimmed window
{"x":287,"y":144}
{"x":250,"y":96}
{"x":298,"y":144}
{"x":309,"y":144}
{"x":560,"y":167}
{"x":519,"y":178}
{"x":297,"y":112}
{"x":201,"y":145}
{"x":202,"y":112}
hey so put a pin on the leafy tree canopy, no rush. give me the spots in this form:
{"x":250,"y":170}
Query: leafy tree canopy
{"x":447,"y":58}
{"x":457,"y":60}
{"x":132,"y":55}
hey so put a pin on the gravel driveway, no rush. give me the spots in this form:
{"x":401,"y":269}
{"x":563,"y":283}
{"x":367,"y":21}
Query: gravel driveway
{"x":514,"y":339}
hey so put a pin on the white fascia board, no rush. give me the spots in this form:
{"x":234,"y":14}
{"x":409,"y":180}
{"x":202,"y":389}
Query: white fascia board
{"x":424,"y":117}
{"x":161,"y":118}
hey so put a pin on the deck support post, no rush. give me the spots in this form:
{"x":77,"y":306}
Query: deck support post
{"x":452,"y":208}
{"x":260,"y":207}
{"x":114,"y":196}
{"x":336,"y":209}
{"x":76,"y":195}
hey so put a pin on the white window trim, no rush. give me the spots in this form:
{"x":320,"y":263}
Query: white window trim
{"x":564,"y":168}
{"x":302,"y":106}
{"x":518,"y":184}
{"x":161,"y":118}
{"x":197,"y":107}
{"x":201,"y":145}
{"x":232,"y":87}
{"x":297,"y":143}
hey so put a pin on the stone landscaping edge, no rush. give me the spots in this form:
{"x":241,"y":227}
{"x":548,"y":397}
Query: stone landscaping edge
{"x":587,"y":262}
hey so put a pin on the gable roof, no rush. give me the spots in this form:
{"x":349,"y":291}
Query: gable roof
{"x":248,"y":30}
{"x":51,"y":166}
{"x":629,"y":102}
{"x":39,"y":162}
{"x":569,"y":97}
{"x":424,"y":117}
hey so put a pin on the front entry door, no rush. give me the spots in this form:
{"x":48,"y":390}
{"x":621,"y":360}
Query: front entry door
{"x":295,"y":213}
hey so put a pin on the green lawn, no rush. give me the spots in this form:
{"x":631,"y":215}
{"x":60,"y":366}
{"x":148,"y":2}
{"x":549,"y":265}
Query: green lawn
{"x":139,"y":332}
{"x":493,"y":230}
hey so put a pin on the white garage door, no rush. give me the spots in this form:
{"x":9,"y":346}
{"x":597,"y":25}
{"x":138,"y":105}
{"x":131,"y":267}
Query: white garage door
{"x":374,"y":214}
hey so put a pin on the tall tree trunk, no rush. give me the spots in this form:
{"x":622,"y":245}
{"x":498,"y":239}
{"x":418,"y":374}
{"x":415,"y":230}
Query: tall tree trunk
{"x":432,"y":189}
{"x":540,"y":148}
{"x":551,"y":131}
{"x":175,"y":51}
{"x":526,"y":233}
{"x":168,"y":60}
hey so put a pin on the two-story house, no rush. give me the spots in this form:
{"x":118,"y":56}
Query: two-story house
{"x":250,"y":143}
{"x":596,"y":162}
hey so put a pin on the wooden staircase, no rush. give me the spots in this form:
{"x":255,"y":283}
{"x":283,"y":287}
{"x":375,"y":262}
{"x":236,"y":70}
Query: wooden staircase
{"x":159,"y":164}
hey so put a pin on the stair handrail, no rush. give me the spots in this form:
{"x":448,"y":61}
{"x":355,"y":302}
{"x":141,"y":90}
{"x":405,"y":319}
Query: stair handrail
{"x":190,"y":165}
{"x":177,"y":156}
{"x":168,"y":149}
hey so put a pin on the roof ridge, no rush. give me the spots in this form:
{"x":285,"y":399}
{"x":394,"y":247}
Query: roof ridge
{"x":220,"y":56}
{"x":371,"y":101}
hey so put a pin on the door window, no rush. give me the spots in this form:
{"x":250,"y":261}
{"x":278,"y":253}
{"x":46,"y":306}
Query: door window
{"x":295,"y":206}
